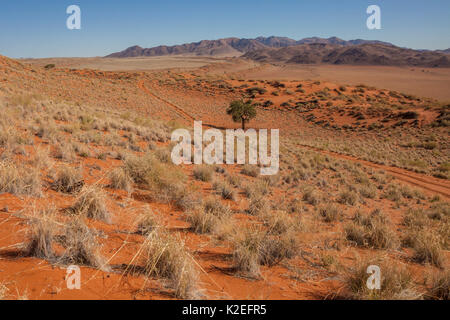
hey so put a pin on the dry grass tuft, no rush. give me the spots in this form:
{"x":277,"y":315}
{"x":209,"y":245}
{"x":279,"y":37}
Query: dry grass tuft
{"x":81,"y":246}
{"x":259,"y":206}
{"x":3,"y":291}
{"x":348,"y":197}
{"x":91,"y":203}
{"x":396,"y":282}
{"x":280,"y":222}
{"x":253,"y":247}
{"x":164,"y":180}
{"x":20,"y":180}
{"x":371,"y":231}
{"x":119,"y":179}
{"x":311,"y":196}
{"x":204,"y":173}
{"x":427,"y":249}
{"x":164,"y":256}
{"x":64,"y":152}
{"x":225,"y":190}
{"x":330,"y":213}
{"x":187,"y":199}
{"x":257,"y":189}
{"x":440,"y":286}
{"x":41,"y":235}
{"x":249,"y":170}
{"x":209,"y":217}
{"x":68,"y":180}
{"x":147,"y":224}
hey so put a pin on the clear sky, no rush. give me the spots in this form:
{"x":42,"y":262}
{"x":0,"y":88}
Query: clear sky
{"x":37,"y":28}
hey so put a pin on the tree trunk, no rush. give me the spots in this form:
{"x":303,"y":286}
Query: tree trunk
{"x":243,"y":124}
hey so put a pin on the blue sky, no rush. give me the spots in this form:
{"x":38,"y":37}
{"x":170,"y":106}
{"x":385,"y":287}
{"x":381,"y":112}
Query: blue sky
{"x":32,"y":28}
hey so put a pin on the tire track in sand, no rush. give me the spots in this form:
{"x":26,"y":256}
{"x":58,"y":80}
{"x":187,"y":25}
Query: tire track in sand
{"x":425,"y":182}
{"x":177,"y":109}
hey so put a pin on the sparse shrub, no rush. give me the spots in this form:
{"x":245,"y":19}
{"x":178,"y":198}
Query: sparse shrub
{"x":41,"y":159}
{"x":295,"y":206}
{"x":439,"y":211}
{"x":203,"y":221}
{"x":138,"y":167}
{"x":356,"y":234}
{"x":275,"y":249}
{"x":256,"y":189}
{"x":163,"y":155}
{"x":216,"y":207}
{"x":415,"y":218}
{"x":209,"y":217}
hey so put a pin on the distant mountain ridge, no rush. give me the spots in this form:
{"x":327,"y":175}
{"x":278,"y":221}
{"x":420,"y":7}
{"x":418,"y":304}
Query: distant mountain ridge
{"x":227,"y":46}
{"x":360,"y":54}
{"x":312,"y":50}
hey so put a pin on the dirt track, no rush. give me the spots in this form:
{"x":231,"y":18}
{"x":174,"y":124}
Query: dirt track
{"x":177,"y":109}
{"x":425,"y":182}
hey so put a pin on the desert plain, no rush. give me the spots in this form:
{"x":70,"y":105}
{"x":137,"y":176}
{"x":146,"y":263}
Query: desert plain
{"x":86,"y":179}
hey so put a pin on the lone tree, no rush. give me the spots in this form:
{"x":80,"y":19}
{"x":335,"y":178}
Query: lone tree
{"x":241,"y":111}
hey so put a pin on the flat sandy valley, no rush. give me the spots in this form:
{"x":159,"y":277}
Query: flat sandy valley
{"x":423,"y":82}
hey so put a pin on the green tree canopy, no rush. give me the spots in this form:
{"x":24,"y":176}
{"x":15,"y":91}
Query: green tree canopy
{"x":241,"y":111}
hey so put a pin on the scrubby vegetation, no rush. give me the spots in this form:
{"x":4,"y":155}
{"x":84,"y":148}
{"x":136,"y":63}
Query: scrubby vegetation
{"x":119,"y":205}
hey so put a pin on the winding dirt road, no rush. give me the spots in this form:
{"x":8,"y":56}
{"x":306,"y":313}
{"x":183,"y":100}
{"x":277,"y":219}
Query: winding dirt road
{"x":177,"y":109}
{"x":423,"y":181}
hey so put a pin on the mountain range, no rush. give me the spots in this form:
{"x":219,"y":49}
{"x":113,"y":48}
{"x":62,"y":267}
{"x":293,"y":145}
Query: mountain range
{"x":305,"y":51}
